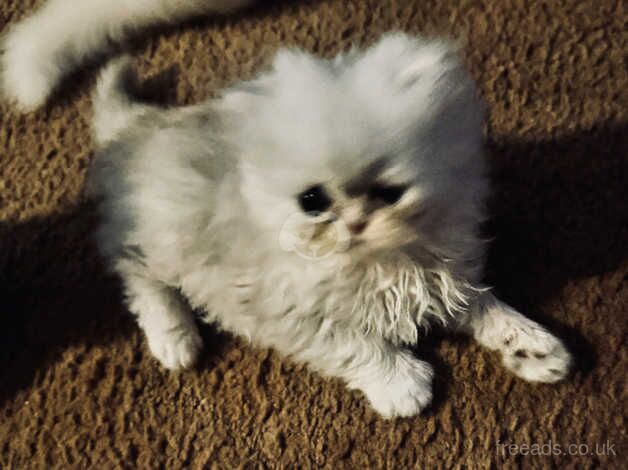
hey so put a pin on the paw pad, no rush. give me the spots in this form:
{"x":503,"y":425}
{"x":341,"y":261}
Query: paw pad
{"x":535,"y":355}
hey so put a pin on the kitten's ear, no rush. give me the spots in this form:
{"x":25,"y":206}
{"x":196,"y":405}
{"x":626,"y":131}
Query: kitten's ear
{"x":406,"y":60}
{"x":424,"y":77}
{"x":287,"y":68}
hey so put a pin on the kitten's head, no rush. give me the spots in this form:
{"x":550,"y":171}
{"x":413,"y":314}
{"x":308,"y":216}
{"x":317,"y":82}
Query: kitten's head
{"x":372,"y":151}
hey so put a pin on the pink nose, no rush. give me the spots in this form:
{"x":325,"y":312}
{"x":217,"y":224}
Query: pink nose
{"x":358,"y":227}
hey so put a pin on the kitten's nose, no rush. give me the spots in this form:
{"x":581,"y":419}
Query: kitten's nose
{"x":357,"y":228}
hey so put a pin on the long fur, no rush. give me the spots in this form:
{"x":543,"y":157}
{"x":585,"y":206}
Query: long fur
{"x":43,"y":48}
{"x":196,"y":201}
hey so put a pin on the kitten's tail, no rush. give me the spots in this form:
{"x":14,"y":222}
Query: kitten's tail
{"x":114,"y":104}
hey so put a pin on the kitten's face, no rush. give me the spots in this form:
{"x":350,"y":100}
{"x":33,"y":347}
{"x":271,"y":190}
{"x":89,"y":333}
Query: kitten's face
{"x":367,"y":214}
{"x":375,"y":210}
{"x":366,"y":153}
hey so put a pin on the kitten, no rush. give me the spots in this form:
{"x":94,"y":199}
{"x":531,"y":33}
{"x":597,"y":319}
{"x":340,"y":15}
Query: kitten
{"x":39,"y":51}
{"x":328,"y":209}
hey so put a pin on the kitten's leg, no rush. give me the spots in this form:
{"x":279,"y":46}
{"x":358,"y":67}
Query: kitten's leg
{"x":394,"y":381}
{"x":167,"y":322}
{"x":44,"y":47}
{"x":397,"y":385}
{"x":527,"y":348}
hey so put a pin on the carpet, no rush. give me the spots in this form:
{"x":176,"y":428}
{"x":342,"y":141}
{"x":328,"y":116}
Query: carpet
{"x":78,"y":388}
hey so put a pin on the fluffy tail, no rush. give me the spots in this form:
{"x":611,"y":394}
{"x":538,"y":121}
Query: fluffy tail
{"x":113,"y":101}
{"x":61,"y":35}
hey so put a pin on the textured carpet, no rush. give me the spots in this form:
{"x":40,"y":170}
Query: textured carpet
{"x":78,"y":388}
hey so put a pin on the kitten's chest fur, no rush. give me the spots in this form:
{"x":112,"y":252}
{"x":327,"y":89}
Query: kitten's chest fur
{"x":390,"y":297}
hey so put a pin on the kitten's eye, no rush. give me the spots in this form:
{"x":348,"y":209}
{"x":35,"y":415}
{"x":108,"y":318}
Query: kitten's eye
{"x":387,"y":194}
{"x":314,"y":200}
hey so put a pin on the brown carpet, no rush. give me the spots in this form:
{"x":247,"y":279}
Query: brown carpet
{"x":78,"y":388}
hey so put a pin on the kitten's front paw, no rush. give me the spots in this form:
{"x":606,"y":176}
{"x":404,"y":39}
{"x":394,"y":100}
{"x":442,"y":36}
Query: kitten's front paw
{"x":404,"y":393}
{"x":27,"y":71}
{"x":176,"y":348}
{"x":536,"y":355}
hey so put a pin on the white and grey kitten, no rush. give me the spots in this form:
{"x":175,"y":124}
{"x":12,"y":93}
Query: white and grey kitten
{"x":328,"y":209}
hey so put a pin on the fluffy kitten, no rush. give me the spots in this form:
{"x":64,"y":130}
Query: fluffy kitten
{"x":63,"y":34}
{"x":327,"y":209}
